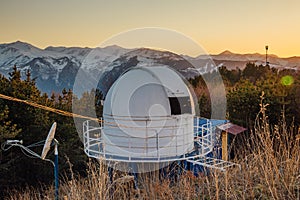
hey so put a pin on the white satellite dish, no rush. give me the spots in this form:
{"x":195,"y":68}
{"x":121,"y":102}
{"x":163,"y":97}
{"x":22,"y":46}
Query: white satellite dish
{"x":48,"y":141}
{"x":46,"y":148}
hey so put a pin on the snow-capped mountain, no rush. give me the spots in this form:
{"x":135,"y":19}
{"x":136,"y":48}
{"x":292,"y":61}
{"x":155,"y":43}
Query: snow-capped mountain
{"x":56,"y":67}
{"x":144,"y":57}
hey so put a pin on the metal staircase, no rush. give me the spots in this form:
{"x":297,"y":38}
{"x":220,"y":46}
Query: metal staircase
{"x":203,"y":136}
{"x":212,"y":163}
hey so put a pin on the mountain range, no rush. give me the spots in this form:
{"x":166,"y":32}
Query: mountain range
{"x":56,"y":68}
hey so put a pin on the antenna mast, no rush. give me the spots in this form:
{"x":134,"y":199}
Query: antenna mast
{"x":267,"y":48}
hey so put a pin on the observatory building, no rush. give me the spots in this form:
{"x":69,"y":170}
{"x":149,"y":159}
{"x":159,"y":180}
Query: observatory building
{"x":149,"y":117}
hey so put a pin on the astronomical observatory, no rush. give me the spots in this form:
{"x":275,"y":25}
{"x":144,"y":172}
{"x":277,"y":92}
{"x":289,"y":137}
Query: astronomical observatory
{"x":149,"y":119}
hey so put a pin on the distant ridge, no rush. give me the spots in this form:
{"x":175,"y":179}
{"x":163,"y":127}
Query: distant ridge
{"x":226,"y":52}
{"x":56,"y":67}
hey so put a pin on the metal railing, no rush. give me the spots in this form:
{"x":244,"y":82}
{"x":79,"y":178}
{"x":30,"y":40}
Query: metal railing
{"x":95,"y":146}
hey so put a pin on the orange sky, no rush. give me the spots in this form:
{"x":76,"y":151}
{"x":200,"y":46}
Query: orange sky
{"x":216,"y":25}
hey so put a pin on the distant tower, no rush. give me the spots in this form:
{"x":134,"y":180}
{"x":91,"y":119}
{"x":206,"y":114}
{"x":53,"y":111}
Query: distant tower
{"x":267,"y":47}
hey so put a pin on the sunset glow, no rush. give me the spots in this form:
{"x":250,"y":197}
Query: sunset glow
{"x":238,"y":26}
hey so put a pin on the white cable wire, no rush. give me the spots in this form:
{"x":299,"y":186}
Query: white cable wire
{"x":40,"y":143}
{"x":4,"y":148}
{"x":26,"y":154}
{"x":25,"y":150}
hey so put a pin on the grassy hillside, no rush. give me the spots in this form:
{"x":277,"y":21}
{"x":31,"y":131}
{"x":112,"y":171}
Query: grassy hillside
{"x":270,"y":169}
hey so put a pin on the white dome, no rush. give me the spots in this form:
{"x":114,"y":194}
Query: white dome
{"x":136,"y":91}
{"x":148,"y":113}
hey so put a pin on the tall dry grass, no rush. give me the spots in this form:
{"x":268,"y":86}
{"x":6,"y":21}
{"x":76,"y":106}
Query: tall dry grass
{"x":270,"y":169}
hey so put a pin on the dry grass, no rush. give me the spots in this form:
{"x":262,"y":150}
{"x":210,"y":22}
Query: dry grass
{"x":270,"y":169}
